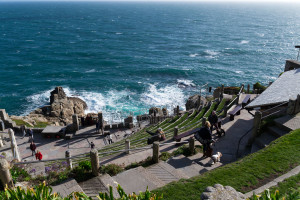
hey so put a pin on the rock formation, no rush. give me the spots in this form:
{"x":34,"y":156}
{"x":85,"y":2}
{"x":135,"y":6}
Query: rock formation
{"x":60,"y":110}
{"x":193,"y":102}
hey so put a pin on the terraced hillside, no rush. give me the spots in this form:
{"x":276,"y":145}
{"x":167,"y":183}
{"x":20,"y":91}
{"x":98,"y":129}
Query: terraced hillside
{"x":187,"y":121}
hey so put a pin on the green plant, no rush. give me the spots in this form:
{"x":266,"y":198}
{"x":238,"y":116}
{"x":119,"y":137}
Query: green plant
{"x":267,"y":195}
{"x":165,"y":156}
{"x":184,"y":149}
{"x":40,"y":124}
{"x":19,"y":174}
{"x":111,"y":169}
{"x":86,"y":165}
{"x":20,"y":122}
{"x":259,"y":87}
{"x":147,"y":195}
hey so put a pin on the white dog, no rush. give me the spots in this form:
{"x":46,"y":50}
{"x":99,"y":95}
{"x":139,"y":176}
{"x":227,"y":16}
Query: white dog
{"x":216,"y":157}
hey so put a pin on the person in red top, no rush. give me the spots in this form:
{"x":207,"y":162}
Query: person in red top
{"x":32,"y":147}
{"x":38,"y":155}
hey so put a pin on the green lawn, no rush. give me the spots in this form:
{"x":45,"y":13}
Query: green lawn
{"x":244,"y":175}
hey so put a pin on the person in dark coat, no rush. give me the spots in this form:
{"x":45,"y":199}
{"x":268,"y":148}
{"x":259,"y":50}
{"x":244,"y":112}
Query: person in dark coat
{"x":32,"y":147}
{"x":92,"y":145}
{"x":213,"y":119}
{"x":205,"y":134}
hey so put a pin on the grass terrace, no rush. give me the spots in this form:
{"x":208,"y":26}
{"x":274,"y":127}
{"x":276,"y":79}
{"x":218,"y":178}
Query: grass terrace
{"x":244,"y":175}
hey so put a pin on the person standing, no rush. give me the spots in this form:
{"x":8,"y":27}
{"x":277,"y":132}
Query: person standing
{"x":38,"y":155}
{"x":109,"y":138}
{"x":23,"y":130}
{"x":32,"y":147}
{"x":92,"y":145}
{"x":205,"y":134}
{"x":213,"y":119}
{"x":30,"y":132}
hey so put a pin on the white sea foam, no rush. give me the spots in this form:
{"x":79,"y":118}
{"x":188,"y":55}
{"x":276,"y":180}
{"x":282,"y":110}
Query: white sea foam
{"x":90,"y":71}
{"x":185,"y":83}
{"x":119,"y":33}
{"x":211,"y":53}
{"x":239,"y":72}
{"x":193,"y":55}
{"x":116,"y":105}
{"x":163,"y":96}
{"x":244,"y":42}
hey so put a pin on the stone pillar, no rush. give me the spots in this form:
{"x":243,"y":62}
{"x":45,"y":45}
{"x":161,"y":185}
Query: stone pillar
{"x":192,"y":145}
{"x":2,"y":126}
{"x":291,"y":107}
{"x":5,"y":176}
{"x":237,"y":99}
{"x":177,"y":110}
{"x":175,"y":131}
{"x":222,"y":92}
{"x":14,"y":145}
{"x":203,"y":121}
{"x":256,"y":126}
{"x":225,"y":110}
{"x":1,"y":143}
{"x":95,"y":162}
{"x":127,"y":146}
{"x":297,"y":106}
{"x":69,"y":161}
{"x":75,"y":122}
{"x":155,"y":156}
{"x":101,"y":122}
{"x":248,"y":88}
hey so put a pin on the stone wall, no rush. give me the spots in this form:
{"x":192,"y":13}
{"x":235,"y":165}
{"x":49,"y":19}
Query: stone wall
{"x":291,"y":64}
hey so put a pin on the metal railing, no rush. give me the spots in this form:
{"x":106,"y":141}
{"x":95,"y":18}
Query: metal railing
{"x":238,"y":147}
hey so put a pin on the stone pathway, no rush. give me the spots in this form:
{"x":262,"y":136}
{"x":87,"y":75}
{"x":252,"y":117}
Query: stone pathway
{"x":67,"y":188}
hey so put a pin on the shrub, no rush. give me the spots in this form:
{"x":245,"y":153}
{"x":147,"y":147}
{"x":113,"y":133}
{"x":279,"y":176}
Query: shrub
{"x":111,"y":169}
{"x":18,"y":173}
{"x":182,"y":150}
{"x":165,"y":156}
{"x":147,"y":195}
{"x":86,"y":165}
{"x":260,"y":88}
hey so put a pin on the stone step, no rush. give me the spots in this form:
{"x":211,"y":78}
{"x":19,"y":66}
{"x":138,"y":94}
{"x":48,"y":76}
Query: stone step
{"x":137,"y":180}
{"x":67,"y":187}
{"x":187,"y":166}
{"x":93,"y":186}
{"x":36,"y":169}
{"x":276,"y":131}
{"x":264,"y":139}
{"x":107,"y":181}
{"x":166,"y":172}
{"x":255,"y":148}
{"x":283,"y":123}
{"x":205,"y":164}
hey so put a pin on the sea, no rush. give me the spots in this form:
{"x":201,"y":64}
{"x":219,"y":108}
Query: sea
{"x":124,"y":57}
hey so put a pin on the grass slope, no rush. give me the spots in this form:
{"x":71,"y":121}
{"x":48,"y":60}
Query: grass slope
{"x":244,"y":175}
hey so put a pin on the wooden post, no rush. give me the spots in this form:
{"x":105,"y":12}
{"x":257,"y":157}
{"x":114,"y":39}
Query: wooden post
{"x":69,"y":161}
{"x":256,"y":126}
{"x":127,"y":146}
{"x":225,"y":110}
{"x":192,"y":145}
{"x":95,"y":162}
{"x":5,"y":176}
{"x":248,"y":89}
{"x":155,"y":156}
{"x":176,"y":131}
{"x":177,"y":110}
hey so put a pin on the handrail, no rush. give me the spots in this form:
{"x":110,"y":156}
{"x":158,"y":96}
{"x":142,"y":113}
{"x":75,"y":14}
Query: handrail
{"x":275,"y":107}
{"x":237,"y":151}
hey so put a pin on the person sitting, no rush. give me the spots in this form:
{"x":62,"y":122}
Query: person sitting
{"x":213,"y":120}
{"x":161,"y":134}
